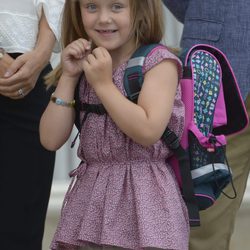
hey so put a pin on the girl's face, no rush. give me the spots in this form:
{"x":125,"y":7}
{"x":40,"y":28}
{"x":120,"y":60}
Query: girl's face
{"x":108,"y":23}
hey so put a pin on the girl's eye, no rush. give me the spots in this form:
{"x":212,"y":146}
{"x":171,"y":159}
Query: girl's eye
{"x":117,"y":7}
{"x":91,"y":7}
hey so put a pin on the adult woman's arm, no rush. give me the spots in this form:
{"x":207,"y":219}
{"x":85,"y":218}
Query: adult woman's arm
{"x":24,"y":71}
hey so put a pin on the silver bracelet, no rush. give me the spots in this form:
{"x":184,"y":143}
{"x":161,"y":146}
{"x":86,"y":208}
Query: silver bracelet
{"x":60,"y":102}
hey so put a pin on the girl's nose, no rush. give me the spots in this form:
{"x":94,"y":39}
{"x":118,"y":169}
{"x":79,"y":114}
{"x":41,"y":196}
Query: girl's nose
{"x":105,"y":17}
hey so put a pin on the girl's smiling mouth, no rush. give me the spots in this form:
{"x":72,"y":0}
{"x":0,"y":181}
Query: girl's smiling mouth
{"x":106,"y":31}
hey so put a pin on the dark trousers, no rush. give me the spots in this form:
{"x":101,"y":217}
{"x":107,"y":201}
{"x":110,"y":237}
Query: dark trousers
{"x":26,"y":170}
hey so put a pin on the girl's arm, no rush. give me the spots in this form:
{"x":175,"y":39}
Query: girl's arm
{"x":57,"y":121}
{"x":146,"y":121}
{"x":178,"y":8}
{"x":24,"y":71}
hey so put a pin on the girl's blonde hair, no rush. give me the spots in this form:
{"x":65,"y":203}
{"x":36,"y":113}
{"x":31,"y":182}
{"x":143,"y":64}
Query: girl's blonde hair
{"x":147,"y":26}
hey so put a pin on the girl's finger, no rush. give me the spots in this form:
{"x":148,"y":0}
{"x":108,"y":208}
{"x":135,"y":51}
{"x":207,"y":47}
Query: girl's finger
{"x":104,"y":52}
{"x":86,"y":44}
{"x":97,"y":52}
{"x":76,"y":52}
{"x":91,"y":58}
{"x":85,"y":65}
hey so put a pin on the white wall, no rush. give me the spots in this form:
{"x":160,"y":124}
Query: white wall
{"x":173,"y":30}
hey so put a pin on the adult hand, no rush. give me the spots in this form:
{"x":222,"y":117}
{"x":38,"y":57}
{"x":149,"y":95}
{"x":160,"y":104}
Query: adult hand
{"x":5,"y":61}
{"x":20,"y":78}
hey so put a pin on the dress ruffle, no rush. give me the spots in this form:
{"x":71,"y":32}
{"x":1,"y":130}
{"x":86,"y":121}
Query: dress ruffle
{"x":140,"y":210}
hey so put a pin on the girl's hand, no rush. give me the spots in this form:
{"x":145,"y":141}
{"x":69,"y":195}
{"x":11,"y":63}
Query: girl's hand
{"x":20,"y":78}
{"x":72,"y":57}
{"x":97,"y":67}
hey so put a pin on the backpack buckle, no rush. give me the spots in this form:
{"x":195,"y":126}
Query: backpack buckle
{"x":134,"y":97}
{"x":171,"y":139}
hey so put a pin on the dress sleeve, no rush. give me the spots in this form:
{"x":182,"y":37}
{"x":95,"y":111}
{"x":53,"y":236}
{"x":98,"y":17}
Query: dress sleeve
{"x":159,"y":54}
{"x":53,"y":13}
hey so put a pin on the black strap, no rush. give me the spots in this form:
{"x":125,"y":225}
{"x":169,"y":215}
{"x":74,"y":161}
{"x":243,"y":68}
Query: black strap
{"x":93,"y":108}
{"x":77,"y":105}
{"x":172,"y":141}
{"x":88,"y":108}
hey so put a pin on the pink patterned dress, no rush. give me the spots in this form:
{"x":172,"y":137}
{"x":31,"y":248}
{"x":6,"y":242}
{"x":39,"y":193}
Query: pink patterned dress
{"x":123,"y":194}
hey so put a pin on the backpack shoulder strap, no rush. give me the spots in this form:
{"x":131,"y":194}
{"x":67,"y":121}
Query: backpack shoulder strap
{"x":133,"y":76}
{"x":77,"y":104}
{"x":172,"y":141}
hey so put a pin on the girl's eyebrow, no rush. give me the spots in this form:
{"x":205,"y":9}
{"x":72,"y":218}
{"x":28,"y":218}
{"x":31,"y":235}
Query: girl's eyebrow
{"x":87,"y":1}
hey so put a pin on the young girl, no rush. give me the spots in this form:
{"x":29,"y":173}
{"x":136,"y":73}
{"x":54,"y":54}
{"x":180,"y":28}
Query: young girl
{"x":123,"y":194}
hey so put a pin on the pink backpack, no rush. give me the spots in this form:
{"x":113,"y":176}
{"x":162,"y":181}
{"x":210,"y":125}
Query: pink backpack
{"x":213,"y":110}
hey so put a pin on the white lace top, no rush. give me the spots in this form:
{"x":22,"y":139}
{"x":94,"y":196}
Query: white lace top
{"x":19,"y":22}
